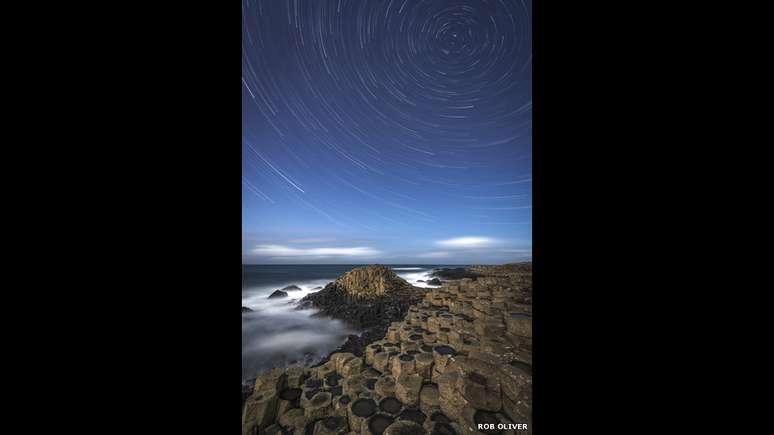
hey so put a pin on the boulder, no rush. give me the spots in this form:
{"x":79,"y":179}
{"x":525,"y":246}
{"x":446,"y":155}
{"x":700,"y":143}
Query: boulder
{"x":278,"y":294}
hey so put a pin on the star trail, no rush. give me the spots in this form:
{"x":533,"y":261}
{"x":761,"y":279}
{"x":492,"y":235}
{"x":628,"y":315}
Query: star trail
{"x":395,"y":131}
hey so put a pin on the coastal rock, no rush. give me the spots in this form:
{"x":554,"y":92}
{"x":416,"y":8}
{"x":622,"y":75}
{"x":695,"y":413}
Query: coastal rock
{"x":407,"y":389}
{"x":291,"y":288}
{"x":434,"y":281}
{"x":246,"y":310}
{"x":259,"y":411}
{"x":458,"y":356}
{"x":278,"y":294}
{"x":320,"y":406}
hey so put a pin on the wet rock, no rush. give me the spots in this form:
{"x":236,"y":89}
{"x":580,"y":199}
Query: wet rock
{"x":246,"y":310}
{"x":434,"y":281}
{"x":278,"y":294}
{"x":291,"y":288}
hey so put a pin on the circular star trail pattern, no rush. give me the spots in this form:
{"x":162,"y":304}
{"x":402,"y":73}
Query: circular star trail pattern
{"x":385,"y":115}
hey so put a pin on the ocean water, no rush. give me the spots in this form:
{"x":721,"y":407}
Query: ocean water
{"x":276,"y":334}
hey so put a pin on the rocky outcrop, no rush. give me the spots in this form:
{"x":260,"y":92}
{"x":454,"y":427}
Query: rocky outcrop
{"x":456,"y":273}
{"x":246,"y":310}
{"x":291,"y":288}
{"x":278,"y":294}
{"x":366,"y":297}
{"x":458,"y":358}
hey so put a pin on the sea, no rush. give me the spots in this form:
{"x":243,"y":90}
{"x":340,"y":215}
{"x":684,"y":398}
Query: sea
{"x":276,"y":334}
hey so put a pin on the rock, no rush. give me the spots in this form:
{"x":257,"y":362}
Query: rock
{"x":442,"y":355}
{"x":456,"y":273}
{"x":288,"y":398}
{"x":403,"y":364}
{"x":405,"y":427}
{"x":385,"y":386}
{"x":519,"y":324}
{"x":407,"y":387}
{"x":246,"y":310}
{"x":438,"y":361}
{"x":390,"y":405}
{"x":434,"y":281}
{"x":335,"y":425}
{"x":429,"y":399}
{"x":354,"y":385}
{"x":414,"y":415}
{"x":376,"y":424}
{"x":293,"y":421}
{"x":291,"y":288}
{"x":259,"y":411}
{"x":320,"y":406}
{"x":273,"y":380}
{"x":359,"y":411}
{"x":278,"y":294}
{"x":516,"y":377}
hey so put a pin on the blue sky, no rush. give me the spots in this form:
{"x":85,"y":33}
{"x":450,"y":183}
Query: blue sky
{"x":386,"y":132}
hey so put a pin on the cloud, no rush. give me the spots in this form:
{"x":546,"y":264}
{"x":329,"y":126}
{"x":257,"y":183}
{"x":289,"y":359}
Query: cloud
{"x":286,"y":251}
{"x":468,"y":242}
{"x":435,"y":254}
{"x":311,"y":240}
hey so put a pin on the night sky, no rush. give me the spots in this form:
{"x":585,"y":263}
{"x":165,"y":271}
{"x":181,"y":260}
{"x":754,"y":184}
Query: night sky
{"x":395,"y":131}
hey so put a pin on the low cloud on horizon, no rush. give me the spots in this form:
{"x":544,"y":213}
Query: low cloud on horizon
{"x":279,"y":251}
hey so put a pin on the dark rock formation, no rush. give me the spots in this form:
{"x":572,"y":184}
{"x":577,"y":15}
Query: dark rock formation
{"x":292,"y":288}
{"x":366,"y":297}
{"x":278,"y":294}
{"x":456,"y":273}
{"x":434,"y":281}
{"x":246,"y":310}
